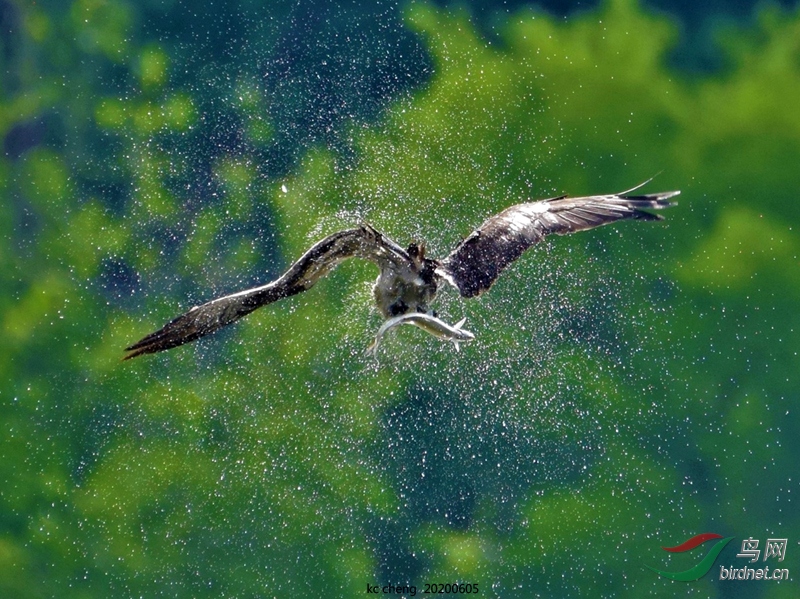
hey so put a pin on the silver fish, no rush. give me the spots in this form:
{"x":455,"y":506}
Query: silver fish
{"x":430,"y":324}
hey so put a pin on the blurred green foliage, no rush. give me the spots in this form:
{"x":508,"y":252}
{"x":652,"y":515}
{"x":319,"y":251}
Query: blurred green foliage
{"x":629,"y":387}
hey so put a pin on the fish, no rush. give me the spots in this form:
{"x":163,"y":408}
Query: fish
{"x":428,"y":323}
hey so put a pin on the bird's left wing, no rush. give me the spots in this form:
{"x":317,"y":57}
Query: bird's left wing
{"x":363,"y":242}
{"x":478,"y":260}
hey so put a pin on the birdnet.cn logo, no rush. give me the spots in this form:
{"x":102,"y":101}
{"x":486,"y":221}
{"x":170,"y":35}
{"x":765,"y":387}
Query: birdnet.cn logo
{"x":774,"y":550}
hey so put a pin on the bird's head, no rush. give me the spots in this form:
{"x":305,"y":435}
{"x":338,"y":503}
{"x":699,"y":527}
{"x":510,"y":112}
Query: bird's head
{"x":416,"y":252}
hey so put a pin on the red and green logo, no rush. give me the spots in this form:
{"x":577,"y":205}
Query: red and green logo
{"x":705,"y":564}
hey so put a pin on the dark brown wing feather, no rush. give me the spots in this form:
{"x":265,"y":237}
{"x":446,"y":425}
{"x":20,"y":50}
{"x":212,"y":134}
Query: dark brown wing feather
{"x":480,"y":258}
{"x":324,"y":256}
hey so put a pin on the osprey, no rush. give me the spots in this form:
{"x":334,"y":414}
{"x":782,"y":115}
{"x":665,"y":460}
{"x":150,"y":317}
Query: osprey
{"x":409,"y":280}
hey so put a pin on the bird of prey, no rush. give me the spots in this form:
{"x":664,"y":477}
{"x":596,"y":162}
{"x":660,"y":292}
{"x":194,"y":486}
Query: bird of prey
{"x":409,"y":280}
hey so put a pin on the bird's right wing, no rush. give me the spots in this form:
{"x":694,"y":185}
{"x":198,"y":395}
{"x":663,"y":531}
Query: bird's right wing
{"x":363,"y":242}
